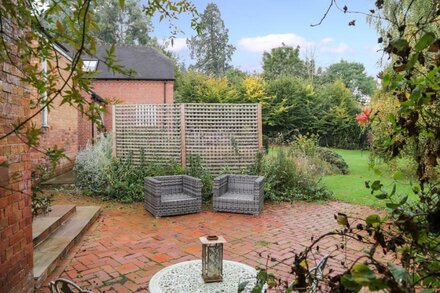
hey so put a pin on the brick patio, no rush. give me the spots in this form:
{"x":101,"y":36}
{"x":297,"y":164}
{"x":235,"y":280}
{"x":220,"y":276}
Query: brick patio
{"x":126,"y":246}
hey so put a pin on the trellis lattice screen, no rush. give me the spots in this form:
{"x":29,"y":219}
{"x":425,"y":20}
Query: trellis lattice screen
{"x":225,"y":136}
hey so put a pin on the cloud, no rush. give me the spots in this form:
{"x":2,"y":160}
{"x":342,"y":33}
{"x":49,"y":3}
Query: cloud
{"x":179,"y":45}
{"x":327,"y":41}
{"x":340,"y":49}
{"x":260,"y":44}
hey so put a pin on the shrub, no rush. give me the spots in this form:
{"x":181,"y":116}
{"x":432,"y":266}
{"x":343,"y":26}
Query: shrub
{"x":91,"y":166}
{"x":334,"y":159}
{"x":285,"y":180}
{"x":196,"y":169}
{"x":126,"y":178}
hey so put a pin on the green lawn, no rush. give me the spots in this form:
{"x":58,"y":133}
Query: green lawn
{"x":351,"y":187}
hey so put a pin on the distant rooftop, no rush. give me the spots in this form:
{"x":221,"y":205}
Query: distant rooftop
{"x":146,"y":61}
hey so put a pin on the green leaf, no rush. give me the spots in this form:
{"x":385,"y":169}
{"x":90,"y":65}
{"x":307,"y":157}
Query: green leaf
{"x":342,"y":219}
{"x":412,"y":61}
{"x":426,"y":40}
{"x":398,"y":272}
{"x":400,"y":44}
{"x":392,"y":206}
{"x":416,"y":189}
{"x":393,"y":191}
{"x":403,"y":200}
{"x":373,"y":219}
{"x":122,"y":4}
{"x":362,"y":274}
{"x":348,"y":282}
{"x":376,"y":185}
{"x":392,"y":119}
{"x":397,"y":175}
{"x":383,"y":195}
{"x":386,"y":80}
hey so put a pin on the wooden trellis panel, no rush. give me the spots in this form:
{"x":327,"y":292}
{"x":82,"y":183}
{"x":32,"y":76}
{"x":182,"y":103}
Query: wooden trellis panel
{"x":155,"y":129}
{"x":225,"y":136}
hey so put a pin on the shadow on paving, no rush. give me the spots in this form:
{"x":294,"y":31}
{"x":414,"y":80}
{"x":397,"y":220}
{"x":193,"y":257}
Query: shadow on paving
{"x":127,"y":246}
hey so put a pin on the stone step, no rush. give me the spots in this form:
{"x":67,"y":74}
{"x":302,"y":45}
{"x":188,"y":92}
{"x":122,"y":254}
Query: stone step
{"x":56,"y":246}
{"x":65,"y":181}
{"x":43,"y":225}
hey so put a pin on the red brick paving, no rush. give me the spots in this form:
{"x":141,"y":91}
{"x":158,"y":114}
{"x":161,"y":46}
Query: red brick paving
{"x":125,"y":247}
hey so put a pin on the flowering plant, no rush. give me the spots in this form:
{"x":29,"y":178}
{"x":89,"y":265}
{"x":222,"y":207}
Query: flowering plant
{"x":364,"y":117}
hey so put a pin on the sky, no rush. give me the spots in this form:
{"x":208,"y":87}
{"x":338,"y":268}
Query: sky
{"x":256,"y":26}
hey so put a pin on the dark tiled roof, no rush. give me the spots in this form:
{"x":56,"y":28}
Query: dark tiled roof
{"x":149,"y":63}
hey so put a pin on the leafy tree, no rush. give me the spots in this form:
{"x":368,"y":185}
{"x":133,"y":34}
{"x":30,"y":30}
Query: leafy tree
{"x":28,"y":34}
{"x":334,"y":109}
{"x":195,"y":87}
{"x":210,"y":47}
{"x":282,"y":61}
{"x":290,"y":107}
{"x":128,"y":26}
{"x":354,"y":77}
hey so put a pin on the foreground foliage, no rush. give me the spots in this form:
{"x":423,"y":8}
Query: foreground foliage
{"x":401,"y":247}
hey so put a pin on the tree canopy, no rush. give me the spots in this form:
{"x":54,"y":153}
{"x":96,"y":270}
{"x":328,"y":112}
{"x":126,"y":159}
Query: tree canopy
{"x":210,"y":48}
{"x":129,"y":26}
{"x":353,"y":75}
{"x":282,"y":61}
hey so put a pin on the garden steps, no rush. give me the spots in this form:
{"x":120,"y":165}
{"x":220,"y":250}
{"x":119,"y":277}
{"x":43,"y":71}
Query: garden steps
{"x":45,"y":224}
{"x":65,"y":180}
{"x":50,"y":250}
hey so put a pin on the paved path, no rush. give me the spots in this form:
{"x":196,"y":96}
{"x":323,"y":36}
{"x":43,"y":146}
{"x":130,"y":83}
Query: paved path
{"x":126,"y":246}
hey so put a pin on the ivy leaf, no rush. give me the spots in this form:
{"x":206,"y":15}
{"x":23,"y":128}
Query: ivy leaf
{"x":426,"y":40}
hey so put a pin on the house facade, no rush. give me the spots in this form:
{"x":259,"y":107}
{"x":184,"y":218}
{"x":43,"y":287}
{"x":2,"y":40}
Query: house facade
{"x":58,"y":123}
{"x":64,"y":127}
{"x":152,"y":82}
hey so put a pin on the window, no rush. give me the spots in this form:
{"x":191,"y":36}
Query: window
{"x":90,"y":65}
{"x":146,"y":115}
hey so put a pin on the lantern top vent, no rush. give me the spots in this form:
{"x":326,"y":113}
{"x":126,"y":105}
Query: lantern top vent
{"x":210,"y":240}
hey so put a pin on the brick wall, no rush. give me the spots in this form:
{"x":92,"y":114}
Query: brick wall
{"x":126,"y":91}
{"x":16,"y":250}
{"x":62,"y":130}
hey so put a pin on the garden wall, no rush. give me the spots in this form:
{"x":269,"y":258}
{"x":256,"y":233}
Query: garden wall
{"x":225,"y":136}
{"x":15,"y":183}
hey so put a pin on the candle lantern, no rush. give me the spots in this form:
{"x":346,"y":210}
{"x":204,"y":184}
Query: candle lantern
{"x":212,"y":258}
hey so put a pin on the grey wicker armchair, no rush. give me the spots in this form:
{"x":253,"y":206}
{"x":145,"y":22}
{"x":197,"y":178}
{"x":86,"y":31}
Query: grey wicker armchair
{"x":239,"y":194}
{"x":173,"y":195}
